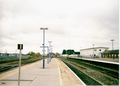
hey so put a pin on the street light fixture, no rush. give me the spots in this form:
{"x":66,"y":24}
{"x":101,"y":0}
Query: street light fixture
{"x":43,"y":45}
{"x":43,"y":28}
{"x":112,"y":47}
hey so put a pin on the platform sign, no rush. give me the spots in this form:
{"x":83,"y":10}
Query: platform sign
{"x":44,"y":46}
{"x":47,"y":51}
{"x":20,"y":46}
{"x":43,"y":50}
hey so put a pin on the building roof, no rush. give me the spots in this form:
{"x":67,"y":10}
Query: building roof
{"x":95,"y":48}
{"x":111,"y":52}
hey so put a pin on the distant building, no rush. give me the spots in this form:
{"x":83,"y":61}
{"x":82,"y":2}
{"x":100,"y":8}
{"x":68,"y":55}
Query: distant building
{"x":109,"y":54}
{"x":96,"y":50}
{"x":12,"y":55}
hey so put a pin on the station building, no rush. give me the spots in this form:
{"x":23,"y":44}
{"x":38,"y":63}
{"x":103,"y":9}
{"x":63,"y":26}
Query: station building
{"x":110,"y":53}
{"x":90,"y":52}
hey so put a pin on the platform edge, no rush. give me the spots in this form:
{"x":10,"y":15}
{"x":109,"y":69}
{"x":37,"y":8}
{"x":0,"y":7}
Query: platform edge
{"x":74,"y":74}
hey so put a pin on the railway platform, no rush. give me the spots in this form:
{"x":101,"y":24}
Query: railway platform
{"x":104,"y":60}
{"x":55,"y":73}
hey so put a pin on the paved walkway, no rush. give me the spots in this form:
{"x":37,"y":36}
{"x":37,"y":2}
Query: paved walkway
{"x":54,"y":74}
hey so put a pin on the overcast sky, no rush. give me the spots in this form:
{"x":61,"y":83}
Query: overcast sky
{"x":72,"y":24}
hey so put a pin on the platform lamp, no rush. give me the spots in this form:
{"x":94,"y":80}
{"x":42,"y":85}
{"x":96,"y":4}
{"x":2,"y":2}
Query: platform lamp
{"x":112,"y":47}
{"x":93,"y":50}
{"x":49,"y":50}
{"x":51,"y":53}
{"x":43,"y":45}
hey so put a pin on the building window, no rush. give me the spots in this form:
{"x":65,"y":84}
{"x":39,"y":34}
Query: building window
{"x":99,"y":49}
{"x":95,"y":50}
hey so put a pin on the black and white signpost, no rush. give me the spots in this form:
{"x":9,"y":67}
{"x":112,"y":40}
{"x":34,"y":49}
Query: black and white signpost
{"x":20,"y":47}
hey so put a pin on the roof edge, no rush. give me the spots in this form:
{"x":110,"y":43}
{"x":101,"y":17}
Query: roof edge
{"x":94,"y":48}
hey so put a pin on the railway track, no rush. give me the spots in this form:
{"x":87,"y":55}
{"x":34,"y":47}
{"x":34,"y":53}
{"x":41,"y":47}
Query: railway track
{"x":7,"y":67}
{"x":109,"y":72}
{"x":100,"y":76}
{"x":11,"y":65}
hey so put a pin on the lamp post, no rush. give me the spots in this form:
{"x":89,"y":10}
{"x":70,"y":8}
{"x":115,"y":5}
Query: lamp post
{"x":80,"y":49}
{"x":52,"y":52}
{"x":43,"y":45}
{"x":47,"y":54}
{"x":50,"y":49}
{"x":112,"y":47}
{"x":93,"y":50}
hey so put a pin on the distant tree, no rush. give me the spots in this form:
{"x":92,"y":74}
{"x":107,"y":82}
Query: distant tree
{"x":56,"y":54}
{"x":31,"y":53}
{"x":72,"y":51}
{"x":64,"y":52}
{"x":37,"y":54}
{"x":69,"y":51}
{"x":77,"y":53}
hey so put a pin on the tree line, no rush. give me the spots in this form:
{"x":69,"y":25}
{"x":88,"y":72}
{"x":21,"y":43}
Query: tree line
{"x":69,"y":52}
{"x":33,"y":54}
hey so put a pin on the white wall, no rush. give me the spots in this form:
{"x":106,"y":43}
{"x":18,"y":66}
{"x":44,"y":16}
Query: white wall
{"x":89,"y":52}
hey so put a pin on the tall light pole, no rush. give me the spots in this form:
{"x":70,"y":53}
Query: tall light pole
{"x":47,"y":54}
{"x":112,"y":47}
{"x":93,"y":50}
{"x":50,"y":49}
{"x":43,"y":45}
{"x":80,"y":49}
{"x":52,"y":52}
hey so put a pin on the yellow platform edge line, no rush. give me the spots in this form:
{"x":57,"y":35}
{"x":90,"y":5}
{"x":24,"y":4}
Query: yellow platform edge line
{"x":17,"y":71}
{"x":60,"y":79}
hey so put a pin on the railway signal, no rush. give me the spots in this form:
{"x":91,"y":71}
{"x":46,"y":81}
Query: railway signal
{"x":20,"y":47}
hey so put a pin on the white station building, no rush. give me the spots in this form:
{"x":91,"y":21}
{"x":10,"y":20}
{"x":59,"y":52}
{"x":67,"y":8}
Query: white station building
{"x":95,"y":52}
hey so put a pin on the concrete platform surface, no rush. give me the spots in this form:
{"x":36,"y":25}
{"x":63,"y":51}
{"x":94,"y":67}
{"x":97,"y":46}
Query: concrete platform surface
{"x":55,"y":73}
{"x":104,"y":60}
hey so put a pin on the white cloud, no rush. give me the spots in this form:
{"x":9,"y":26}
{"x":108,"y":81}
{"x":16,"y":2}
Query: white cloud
{"x":71,"y":24}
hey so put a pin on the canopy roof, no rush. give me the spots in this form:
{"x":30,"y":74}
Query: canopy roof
{"x":111,"y":52}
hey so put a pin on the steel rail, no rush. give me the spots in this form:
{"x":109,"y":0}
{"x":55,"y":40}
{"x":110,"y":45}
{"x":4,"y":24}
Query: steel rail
{"x":106,"y":71}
